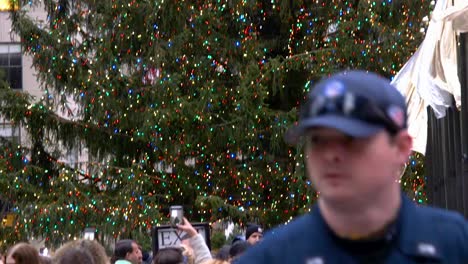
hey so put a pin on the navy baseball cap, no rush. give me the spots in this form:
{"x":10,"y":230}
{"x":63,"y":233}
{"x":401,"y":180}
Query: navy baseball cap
{"x":356,"y":103}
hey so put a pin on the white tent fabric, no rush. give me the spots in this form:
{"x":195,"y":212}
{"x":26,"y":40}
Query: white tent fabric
{"x":430,"y":77}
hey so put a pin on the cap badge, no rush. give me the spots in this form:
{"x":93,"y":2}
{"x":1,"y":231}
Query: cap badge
{"x":396,"y":114}
{"x":333,"y":89}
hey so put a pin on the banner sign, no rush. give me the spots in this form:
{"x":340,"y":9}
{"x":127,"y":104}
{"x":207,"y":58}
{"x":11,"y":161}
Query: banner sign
{"x":168,"y":236}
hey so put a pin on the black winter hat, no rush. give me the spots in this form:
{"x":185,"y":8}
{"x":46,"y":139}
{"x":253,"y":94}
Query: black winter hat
{"x":252,"y":229}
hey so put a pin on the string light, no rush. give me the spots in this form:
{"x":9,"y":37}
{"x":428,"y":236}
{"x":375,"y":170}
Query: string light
{"x":202,"y":103}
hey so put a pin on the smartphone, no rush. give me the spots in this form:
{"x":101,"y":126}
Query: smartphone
{"x":177,"y":215}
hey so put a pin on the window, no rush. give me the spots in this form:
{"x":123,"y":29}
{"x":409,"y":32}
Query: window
{"x":10,"y":64}
{"x":9,"y":132}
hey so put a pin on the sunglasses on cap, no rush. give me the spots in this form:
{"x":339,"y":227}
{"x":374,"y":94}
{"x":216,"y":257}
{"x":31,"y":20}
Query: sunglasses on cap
{"x":354,"y":106}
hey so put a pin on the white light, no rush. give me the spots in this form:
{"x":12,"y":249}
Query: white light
{"x":89,"y":233}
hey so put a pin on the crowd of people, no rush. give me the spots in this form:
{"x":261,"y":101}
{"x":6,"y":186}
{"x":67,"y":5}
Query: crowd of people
{"x":192,"y":250}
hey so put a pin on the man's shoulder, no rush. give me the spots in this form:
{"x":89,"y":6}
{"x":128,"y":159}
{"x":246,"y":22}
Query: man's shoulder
{"x":444,"y":232}
{"x":289,"y":242}
{"x":441,"y":218}
{"x":300,"y":227}
{"x":433,"y":224}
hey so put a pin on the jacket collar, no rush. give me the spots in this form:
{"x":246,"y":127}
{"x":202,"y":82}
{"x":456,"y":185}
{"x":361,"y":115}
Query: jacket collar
{"x":415,"y":237}
{"x":410,"y":232}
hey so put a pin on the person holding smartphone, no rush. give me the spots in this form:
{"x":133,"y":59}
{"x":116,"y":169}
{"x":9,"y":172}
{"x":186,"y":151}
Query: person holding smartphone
{"x":196,"y":242}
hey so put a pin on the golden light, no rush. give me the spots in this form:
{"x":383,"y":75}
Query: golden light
{"x":7,"y":5}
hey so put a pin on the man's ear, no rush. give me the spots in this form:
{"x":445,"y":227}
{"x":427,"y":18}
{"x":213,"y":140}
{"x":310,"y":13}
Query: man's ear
{"x":404,"y":143}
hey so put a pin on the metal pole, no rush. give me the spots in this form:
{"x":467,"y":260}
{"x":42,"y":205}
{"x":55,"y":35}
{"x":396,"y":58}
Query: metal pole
{"x":463,"y":73}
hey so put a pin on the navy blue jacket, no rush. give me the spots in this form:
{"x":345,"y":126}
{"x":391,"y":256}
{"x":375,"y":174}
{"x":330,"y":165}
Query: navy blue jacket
{"x":422,"y":235}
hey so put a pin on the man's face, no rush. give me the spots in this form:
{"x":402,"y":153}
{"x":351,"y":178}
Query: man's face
{"x":135,"y":257}
{"x":349,"y":169}
{"x":254,"y":238}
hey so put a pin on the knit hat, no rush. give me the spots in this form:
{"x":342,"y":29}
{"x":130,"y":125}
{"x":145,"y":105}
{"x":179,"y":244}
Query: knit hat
{"x":252,"y":229}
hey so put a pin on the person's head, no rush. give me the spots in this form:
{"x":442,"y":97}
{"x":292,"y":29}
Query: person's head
{"x":253,"y":234}
{"x":170,"y":255}
{"x":146,"y":256}
{"x":237,"y":249}
{"x":127,"y":249}
{"x":356,"y":142}
{"x":96,"y":250}
{"x":75,"y":256}
{"x":237,"y":238}
{"x":45,"y":260}
{"x":23,"y":253}
{"x":223,"y":253}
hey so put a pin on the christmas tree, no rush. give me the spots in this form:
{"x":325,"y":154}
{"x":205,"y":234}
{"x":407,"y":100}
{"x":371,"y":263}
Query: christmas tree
{"x":180,"y":102}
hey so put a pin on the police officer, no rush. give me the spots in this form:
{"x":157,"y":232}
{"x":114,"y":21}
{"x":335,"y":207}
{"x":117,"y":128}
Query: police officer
{"x":354,"y":127}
